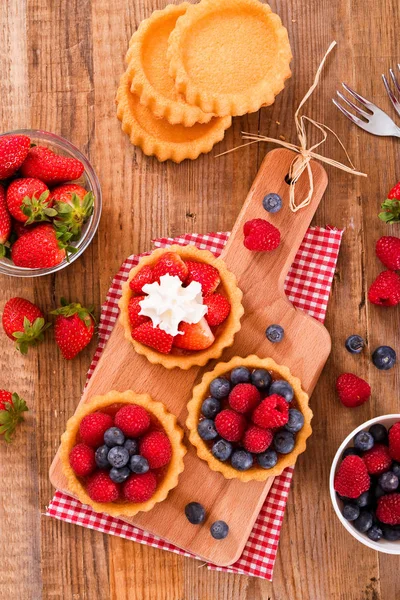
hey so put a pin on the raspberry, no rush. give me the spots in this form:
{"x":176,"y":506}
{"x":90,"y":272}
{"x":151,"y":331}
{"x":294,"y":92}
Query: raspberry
{"x":93,"y":427}
{"x":352,"y":478}
{"x":218,"y":309}
{"x":260,"y":235}
{"x":272,"y":412}
{"x":101,"y":488}
{"x":140,"y":488}
{"x":257,"y":440}
{"x":156,"y":448}
{"x":385,"y":290}
{"x":144,"y":276}
{"x":394,"y":441}
{"x":230,"y":425}
{"x":244,"y":397}
{"x":134,"y":309}
{"x":388,"y":251}
{"x":352,"y":390}
{"x":133,"y":420}
{"x":388,"y":509}
{"x":377,"y":460}
{"x":81,"y":459}
{"x":170,"y":263}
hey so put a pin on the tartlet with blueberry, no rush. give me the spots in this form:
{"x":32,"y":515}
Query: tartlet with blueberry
{"x":122,"y":453}
{"x":249,"y":418}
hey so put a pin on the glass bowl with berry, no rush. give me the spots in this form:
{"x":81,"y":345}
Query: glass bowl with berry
{"x":365,"y":483}
{"x":122,"y":453}
{"x":249,"y":418}
{"x":50,"y":203}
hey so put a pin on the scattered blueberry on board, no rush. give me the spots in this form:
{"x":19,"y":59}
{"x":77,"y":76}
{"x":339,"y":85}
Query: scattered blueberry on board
{"x":272,"y":203}
{"x":195,"y":513}
{"x":219,"y":530}
{"x":384,"y":358}
{"x":355,"y":344}
{"x":275,"y":333}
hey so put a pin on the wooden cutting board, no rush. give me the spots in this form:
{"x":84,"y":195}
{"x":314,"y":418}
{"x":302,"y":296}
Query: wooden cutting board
{"x":305,"y":349}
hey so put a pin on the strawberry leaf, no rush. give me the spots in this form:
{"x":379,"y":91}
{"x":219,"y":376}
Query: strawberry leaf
{"x":86,"y":315}
{"x":11,"y":416}
{"x":391,"y":211}
{"x":32,"y":334}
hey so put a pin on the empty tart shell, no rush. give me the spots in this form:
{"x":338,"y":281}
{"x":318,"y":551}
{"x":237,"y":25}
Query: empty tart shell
{"x":147,"y":58}
{"x":173,"y":469}
{"x":157,"y":137}
{"x":229,"y":57}
{"x":225,"y":335}
{"x":256,"y":473}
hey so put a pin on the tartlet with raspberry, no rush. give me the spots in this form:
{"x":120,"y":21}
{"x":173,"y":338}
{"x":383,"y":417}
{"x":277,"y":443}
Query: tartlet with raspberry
{"x":122,"y":453}
{"x":181,"y":307}
{"x":249,"y":418}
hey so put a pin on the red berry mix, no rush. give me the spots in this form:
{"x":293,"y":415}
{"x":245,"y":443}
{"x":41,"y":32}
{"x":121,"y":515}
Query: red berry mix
{"x":120,"y":454}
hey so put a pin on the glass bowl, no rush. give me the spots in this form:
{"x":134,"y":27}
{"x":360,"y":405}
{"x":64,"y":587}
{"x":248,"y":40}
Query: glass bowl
{"x":88,"y":180}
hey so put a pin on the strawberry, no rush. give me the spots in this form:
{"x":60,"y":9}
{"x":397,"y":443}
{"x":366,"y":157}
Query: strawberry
{"x":257,"y":440}
{"x":20,"y":228}
{"x":81,"y":459}
{"x":244,"y":397}
{"x":388,"y":509}
{"x":154,"y":337}
{"x":93,"y":427}
{"x":352,"y":390}
{"x":272,"y":412}
{"x":391,"y":206}
{"x":196,"y":336}
{"x":133,"y":311}
{"x":385,"y":290}
{"x":74,"y":206}
{"x":230,"y":425}
{"x":352,"y":478}
{"x":28,"y":201}
{"x":218,"y":309}
{"x":170,"y":263}
{"x":377,"y":460}
{"x":133,"y":420}
{"x":144,"y":276}
{"x":23,"y":322}
{"x":101,"y":488}
{"x":13,"y":151}
{"x":205,"y":274}
{"x":388,"y":251}
{"x":41,"y":248}
{"x":156,"y":449}
{"x":43,"y":163}
{"x":260,"y":235}
{"x":139,"y":488}
{"x":394,"y":441}
{"x":11,"y":409}
{"x":73,"y":328}
{"x":5,"y":220}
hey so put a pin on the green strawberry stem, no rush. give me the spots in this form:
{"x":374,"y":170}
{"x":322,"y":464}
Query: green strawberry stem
{"x":37,"y":209}
{"x":391,"y":211}
{"x":74,"y":214}
{"x":11,"y":416}
{"x":32,"y":334}
{"x":74,"y":308}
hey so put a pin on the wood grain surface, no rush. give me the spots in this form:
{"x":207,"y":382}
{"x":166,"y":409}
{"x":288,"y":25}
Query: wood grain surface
{"x":60,"y":64}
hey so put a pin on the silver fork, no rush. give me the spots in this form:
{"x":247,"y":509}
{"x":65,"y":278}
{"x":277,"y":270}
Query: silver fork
{"x":393,"y":99}
{"x":373,"y":119}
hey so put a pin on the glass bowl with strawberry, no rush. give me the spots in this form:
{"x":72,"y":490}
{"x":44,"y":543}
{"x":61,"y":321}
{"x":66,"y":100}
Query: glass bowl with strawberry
{"x":50,"y":203}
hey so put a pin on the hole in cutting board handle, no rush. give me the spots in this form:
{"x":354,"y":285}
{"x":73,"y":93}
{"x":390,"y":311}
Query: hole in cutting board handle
{"x":288,"y":179}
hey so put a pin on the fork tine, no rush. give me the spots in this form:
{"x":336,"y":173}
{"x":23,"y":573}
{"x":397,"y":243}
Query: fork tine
{"x":353,"y":106}
{"x":349,"y":115}
{"x":392,"y":97}
{"x":361,"y":99}
{"x":394,"y":78}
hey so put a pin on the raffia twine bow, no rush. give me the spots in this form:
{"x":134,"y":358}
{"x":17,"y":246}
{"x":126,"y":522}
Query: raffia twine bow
{"x":301,"y":162}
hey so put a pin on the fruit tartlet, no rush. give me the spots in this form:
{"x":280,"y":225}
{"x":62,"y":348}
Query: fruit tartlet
{"x":181,"y":307}
{"x":122,"y":453}
{"x":249,"y":418}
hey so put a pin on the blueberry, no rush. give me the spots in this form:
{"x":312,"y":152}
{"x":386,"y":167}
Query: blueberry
{"x":363,"y":441}
{"x":384,"y":358}
{"x":261,"y":378}
{"x":284,"y":442}
{"x":101,"y":457}
{"x":275,"y":333}
{"x":282,"y":388}
{"x":374,"y":533}
{"x":114,"y":437}
{"x":219,"y":530}
{"x":351,"y":512}
{"x":131,"y":446}
{"x":195,"y":513}
{"x":220,"y":388}
{"x":379,"y":492}
{"x":222,"y":450}
{"x":242,"y":460}
{"x":272,"y":203}
{"x":240,"y":375}
{"x":118,"y":457}
{"x":392,"y":534}
{"x":379,"y":433}
{"x":138,"y":464}
{"x":206,"y":430}
{"x":354,"y":344}
{"x":364,"y":521}
{"x":267,"y":459}
{"x":389,"y":482}
{"x":296,"y":420}
{"x":396,"y":469}
{"x":350,"y":452}
{"x":119,"y":475}
{"x":210,"y":407}
{"x":364,"y":500}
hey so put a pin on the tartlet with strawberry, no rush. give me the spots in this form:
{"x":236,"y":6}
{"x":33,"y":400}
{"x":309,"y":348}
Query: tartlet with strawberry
{"x":181,"y":307}
{"x":249,"y":418}
{"x":122,"y":453}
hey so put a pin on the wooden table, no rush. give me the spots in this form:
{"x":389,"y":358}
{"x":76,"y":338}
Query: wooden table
{"x":60,"y":63}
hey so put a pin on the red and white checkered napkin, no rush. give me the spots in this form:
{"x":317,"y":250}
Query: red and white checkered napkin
{"x":308,"y":286}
